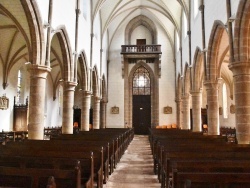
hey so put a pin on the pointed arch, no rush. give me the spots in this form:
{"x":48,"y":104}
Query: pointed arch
{"x":218,"y":42}
{"x":37,"y":45}
{"x":82,"y":72}
{"x":198,"y":70}
{"x":187,"y":80}
{"x":104,"y":88}
{"x":67,"y":56}
{"x":137,"y":21}
{"x":242,"y":32}
{"x":179,"y":86}
{"x":95,"y":82}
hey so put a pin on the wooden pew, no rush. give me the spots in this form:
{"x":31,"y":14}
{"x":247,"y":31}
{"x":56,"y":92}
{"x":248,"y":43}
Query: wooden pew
{"x":211,"y":179}
{"x":71,"y":144}
{"x":112,"y":136}
{"x":38,"y":177}
{"x":12,"y":136}
{"x":69,"y":152}
{"x":101,"y":152}
{"x":51,"y":131}
{"x":174,"y":146}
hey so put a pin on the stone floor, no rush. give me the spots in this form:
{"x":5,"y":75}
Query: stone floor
{"x":135,"y":169}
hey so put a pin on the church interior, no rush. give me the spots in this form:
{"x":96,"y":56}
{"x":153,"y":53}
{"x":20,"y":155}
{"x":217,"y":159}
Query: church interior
{"x":101,"y":76}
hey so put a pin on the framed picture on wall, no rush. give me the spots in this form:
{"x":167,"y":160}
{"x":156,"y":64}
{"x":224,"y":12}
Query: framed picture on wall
{"x":167,"y":110}
{"x":114,"y":110}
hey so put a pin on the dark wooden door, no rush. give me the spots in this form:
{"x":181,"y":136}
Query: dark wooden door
{"x":141,"y":114}
{"x":140,"y":41}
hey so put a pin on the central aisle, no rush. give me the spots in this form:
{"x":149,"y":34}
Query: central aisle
{"x":135,"y":169}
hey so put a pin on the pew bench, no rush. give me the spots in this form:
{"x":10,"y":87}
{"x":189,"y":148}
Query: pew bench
{"x":38,"y":177}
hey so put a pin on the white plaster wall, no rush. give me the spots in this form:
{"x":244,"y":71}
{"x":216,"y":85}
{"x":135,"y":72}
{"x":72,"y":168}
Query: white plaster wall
{"x":97,"y":43}
{"x":52,"y":116}
{"x":230,"y":121}
{"x":196,"y":33}
{"x":214,"y":10}
{"x":6,"y":116}
{"x":116,"y":82}
{"x":167,"y":80}
{"x":141,"y":32}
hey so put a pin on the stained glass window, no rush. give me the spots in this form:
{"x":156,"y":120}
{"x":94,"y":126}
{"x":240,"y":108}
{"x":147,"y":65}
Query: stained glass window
{"x":141,"y":82}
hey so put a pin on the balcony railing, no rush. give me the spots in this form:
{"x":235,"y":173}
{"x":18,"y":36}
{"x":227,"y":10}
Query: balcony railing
{"x":141,"y":49}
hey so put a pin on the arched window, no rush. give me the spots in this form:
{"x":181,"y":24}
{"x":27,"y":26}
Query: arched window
{"x":141,"y":82}
{"x":196,"y":7}
{"x":19,"y":87}
{"x":224,"y":100}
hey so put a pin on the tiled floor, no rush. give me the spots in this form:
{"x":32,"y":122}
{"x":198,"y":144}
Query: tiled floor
{"x":135,"y":169}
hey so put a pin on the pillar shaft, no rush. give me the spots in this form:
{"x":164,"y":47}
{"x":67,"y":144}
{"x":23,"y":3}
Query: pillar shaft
{"x":196,"y":111}
{"x":241,"y":72}
{"x":96,"y":113}
{"x":68,"y":103}
{"x":179,"y":112}
{"x":186,"y":111}
{"x":213,"y":108}
{"x":86,"y":100}
{"x":37,"y":101}
{"x":103,"y":114}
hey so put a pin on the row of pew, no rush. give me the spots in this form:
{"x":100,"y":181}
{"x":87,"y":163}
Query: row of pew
{"x":6,"y":136}
{"x":78,"y":160}
{"x":183,"y":158}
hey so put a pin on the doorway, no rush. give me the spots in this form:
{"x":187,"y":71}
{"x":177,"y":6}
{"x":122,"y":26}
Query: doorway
{"x":140,"y":42}
{"x":141,"y":114}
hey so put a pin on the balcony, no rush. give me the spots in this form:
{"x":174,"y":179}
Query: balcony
{"x":141,"y":49}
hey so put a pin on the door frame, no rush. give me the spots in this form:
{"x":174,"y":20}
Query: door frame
{"x":128,"y":95}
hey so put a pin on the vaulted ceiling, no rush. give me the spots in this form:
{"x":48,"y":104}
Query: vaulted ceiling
{"x":117,"y":13}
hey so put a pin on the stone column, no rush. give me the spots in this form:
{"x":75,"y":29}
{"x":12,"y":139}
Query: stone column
{"x":96,"y":113}
{"x":38,"y":76}
{"x":86,"y":99}
{"x":196,"y":111}
{"x":103,"y":113}
{"x":186,"y":111}
{"x":179,"y":112}
{"x":213,"y":108}
{"x":68,"y":103}
{"x":241,"y":74}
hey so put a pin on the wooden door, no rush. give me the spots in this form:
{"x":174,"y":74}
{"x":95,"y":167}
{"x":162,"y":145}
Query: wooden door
{"x":20,"y":118}
{"x":140,"y":41}
{"x":141,"y":114}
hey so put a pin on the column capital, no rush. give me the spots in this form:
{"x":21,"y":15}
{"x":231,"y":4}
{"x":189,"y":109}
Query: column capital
{"x":104,"y":100}
{"x":69,"y":86}
{"x":185,"y":96}
{"x":240,"y":67}
{"x":196,"y":93}
{"x":211,"y":84}
{"x":87,"y":93}
{"x":38,"y":70}
{"x":97,"y":98}
{"x":178,"y":99}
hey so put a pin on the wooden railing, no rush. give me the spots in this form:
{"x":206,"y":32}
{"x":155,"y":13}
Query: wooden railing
{"x":141,"y":49}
